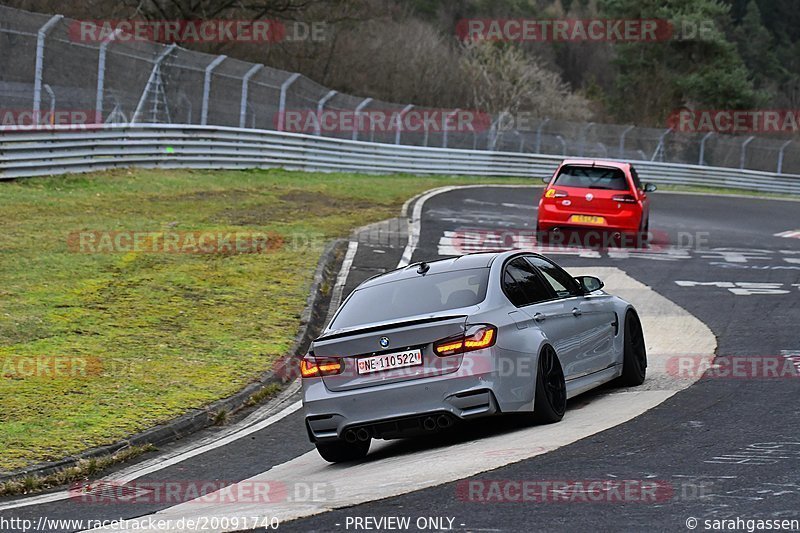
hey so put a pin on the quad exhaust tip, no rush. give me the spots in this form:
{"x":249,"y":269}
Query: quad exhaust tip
{"x":353,"y":435}
{"x":440,"y":422}
{"x":429,"y":423}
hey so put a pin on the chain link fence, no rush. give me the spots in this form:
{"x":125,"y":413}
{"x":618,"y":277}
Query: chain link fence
{"x":45,"y":71}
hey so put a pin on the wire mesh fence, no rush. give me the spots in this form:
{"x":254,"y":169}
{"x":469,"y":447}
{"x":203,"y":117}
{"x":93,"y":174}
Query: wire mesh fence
{"x":46,"y":74}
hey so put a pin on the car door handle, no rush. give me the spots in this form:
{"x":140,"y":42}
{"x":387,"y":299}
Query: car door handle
{"x":539,"y":317}
{"x":576,"y":311}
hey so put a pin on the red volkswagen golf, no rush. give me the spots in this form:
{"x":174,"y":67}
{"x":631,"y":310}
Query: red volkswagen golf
{"x":600,"y":195}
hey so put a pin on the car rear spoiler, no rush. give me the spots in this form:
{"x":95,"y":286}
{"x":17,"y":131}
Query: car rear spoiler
{"x":386,"y":325}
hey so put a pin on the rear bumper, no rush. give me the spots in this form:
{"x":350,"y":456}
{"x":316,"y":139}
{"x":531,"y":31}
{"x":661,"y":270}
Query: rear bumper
{"x":397,"y":409}
{"x":627,"y":220}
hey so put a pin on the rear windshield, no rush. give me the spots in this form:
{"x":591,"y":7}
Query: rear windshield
{"x":592,"y":178}
{"x":419,"y":295}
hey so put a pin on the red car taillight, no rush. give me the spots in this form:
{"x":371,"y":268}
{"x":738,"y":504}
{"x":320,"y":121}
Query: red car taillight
{"x":624,"y":198}
{"x":476,"y":338}
{"x":314,"y":367}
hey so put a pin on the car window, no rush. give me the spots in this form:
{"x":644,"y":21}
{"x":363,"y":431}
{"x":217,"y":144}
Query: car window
{"x":420,"y":295}
{"x":636,"y":181}
{"x":562,"y":283}
{"x":522,"y":284}
{"x":589,"y":177}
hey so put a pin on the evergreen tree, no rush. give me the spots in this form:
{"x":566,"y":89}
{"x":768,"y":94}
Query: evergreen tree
{"x":696,"y":67}
{"x":757,"y":47}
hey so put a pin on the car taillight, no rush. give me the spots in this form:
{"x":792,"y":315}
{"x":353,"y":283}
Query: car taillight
{"x":314,"y":367}
{"x":476,"y":338}
{"x":555,"y":193}
{"x":624,"y":198}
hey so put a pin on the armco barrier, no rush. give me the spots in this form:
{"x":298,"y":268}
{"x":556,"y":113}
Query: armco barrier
{"x":65,"y":150}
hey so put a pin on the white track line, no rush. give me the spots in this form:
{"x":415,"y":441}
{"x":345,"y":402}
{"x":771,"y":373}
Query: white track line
{"x":670,"y":331}
{"x":234,"y":433}
{"x":341,"y":280}
{"x":415,"y":222}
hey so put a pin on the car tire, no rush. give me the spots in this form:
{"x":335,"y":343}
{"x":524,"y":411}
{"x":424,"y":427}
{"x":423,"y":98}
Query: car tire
{"x":340,"y":451}
{"x":550,"y":396}
{"x":634,"y":362}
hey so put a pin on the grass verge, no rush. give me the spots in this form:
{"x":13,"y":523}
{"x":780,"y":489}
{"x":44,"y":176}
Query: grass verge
{"x":97,"y":346}
{"x":723,"y":191}
{"x":85,"y":469}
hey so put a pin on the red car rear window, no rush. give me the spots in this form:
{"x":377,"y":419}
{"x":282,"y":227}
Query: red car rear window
{"x":592,"y":178}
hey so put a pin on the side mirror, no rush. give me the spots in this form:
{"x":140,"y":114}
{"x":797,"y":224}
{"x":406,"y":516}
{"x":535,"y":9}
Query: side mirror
{"x":589,"y":283}
{"x":650,"y":187}
{"x":545,"y":180}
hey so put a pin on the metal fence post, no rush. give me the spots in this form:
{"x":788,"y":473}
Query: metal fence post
{"x":320,"y":107}
{"x":364,"y":103}
{"x":660,"y":147}
{"x":101,"y":75}
{"x":584,"y":133}
{"x":743,"y":153}
{"x":188,"y":103}
{"x":282,"y":102}
{"x":622,"y":136}
{"x":496,"y":130}
{"x":563,"y":144}
{"x":780,"y":155}
{"x":52,"y":96}
{"x":207,"y":87}
{"x":539,"y":135}
{"x":703,"y":147}
{"x":154,"y":77}
{"x":39,"y":70}
{"x":245,"y":87}
{"x":400,"y":116}
{"x":491,"y":138}
{"x":444,"y":126}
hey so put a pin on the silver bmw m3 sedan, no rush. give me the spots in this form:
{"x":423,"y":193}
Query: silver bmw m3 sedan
{"x":424,"y":347}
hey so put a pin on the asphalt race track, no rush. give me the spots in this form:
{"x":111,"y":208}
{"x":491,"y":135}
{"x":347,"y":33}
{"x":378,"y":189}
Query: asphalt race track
{"x":719,"y":445}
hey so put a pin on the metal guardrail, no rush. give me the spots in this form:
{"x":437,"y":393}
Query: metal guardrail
{"x":65,"y":150}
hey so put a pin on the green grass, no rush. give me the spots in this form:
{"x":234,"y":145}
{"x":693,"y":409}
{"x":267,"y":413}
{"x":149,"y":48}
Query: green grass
{"x":162,"y":332}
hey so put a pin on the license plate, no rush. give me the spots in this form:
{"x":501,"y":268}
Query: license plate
{"x":389,"y":361}
{"x":587,"y":219}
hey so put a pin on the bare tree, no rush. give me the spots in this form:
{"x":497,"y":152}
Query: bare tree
{"x":405,"y":61}
{"x":209,"y":9}
{"x":504,"y":80}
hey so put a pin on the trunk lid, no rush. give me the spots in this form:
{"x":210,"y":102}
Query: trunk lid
{"x":599,"y":201}
{"x":403,"y":337}
{"x":596,"y":201}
